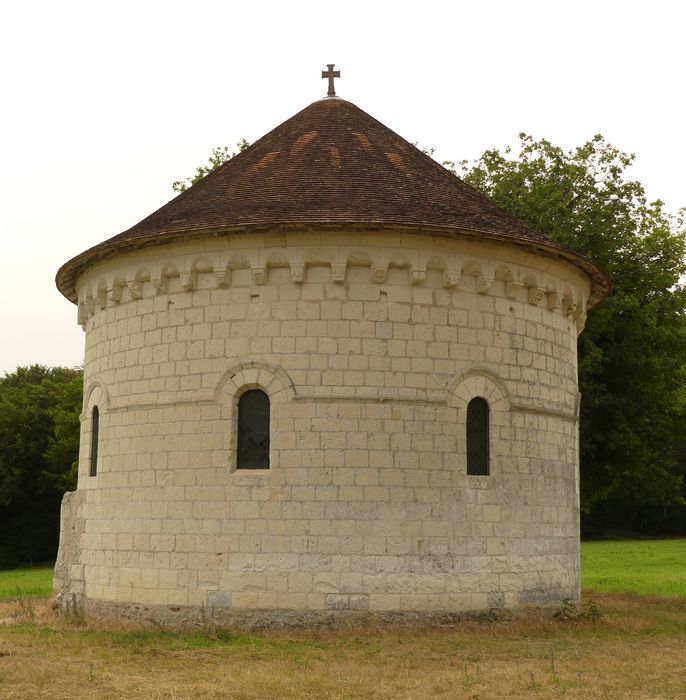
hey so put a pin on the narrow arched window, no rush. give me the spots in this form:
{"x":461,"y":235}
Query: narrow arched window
{"x":95,"y":428}
{"x":477,"y":437}
{"x":253,"y":430}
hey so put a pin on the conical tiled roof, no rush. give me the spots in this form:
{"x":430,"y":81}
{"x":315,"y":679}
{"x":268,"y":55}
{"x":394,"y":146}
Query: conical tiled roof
{"x":331,"y":166}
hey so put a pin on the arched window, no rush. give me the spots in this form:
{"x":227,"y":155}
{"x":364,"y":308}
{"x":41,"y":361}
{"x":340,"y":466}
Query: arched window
{"x":253,"y":430}
{"x":95,"y":427}
{"x":477,"y":437}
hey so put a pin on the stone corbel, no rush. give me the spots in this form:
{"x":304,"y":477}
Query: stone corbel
{"x":568,"y":307}
{"x":223,"y":276}
{"x":159,"y":284}
{"x":451,"y":279}
{"x":298,"y":273}
{"x":116,"y":291}
{"x":135,"y":289}
{"x":483,"y":284}
{"x":81,"y":314}
{"x":259,"y":275}
{"x":379,"y":273}
{"x":536,"y":295}
{"x":189,"y":280}
{"x":89,"y":305}
{"x":554,"y":300}
{"x":417,"y":276}
{"x":513,"y":288}
{"x":102,"y":298}
{"x":580,"y":320}
{"x":338,"y":273}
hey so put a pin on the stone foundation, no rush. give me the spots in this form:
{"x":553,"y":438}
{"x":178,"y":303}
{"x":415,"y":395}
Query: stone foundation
{"x":192,"y":618}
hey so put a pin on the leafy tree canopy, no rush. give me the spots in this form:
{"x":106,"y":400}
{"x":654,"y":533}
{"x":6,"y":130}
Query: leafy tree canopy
{"x":632,"y":354}
{"x":39,"y":443}
{"x":219,"y":156}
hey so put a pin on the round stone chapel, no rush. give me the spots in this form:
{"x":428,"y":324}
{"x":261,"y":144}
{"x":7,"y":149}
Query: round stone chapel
{"x":328,"y":380}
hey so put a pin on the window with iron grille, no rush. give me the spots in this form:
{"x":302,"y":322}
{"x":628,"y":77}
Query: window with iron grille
{"x":253,"y":430}
{"x":477,"y":437}
{"x":95,"y":429}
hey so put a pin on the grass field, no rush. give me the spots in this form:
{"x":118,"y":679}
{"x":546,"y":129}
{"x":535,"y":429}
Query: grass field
{"x":28,"y":581}
{"x":646,"y":567}
{"x":637,"y":649}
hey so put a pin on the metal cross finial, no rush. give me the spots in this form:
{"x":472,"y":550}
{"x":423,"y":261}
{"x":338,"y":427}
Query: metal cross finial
{"x":331,"y":74}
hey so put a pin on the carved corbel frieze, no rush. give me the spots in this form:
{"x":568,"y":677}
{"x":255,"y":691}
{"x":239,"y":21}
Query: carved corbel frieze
{"x":379,"y":273}
{"x":259,"y":275}
{"x":568,"y":307}
{"x":451,"y":279}
{"x":536,"y":295}
{"x":483,"y":284}
{"x":513,"y":288}
{"x":338,"y":273}
{"x":417,"y":276}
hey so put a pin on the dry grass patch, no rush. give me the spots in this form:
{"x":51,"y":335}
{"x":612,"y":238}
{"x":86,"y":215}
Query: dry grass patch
{"x":638,"y":650}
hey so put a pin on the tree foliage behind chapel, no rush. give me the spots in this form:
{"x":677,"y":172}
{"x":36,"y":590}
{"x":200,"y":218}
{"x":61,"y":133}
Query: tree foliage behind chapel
{"x":39,"y":444}
{"x":632,"y":354}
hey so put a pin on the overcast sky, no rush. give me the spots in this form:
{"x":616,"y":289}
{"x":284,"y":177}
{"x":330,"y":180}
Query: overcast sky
{"x":104,"y":105}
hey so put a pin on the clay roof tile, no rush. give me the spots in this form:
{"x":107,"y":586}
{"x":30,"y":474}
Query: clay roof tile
{"x":331,"y":166}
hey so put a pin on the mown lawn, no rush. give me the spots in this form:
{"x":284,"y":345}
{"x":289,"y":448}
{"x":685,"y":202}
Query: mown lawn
{"x":645,"y":567}
{"x":27,"y":581}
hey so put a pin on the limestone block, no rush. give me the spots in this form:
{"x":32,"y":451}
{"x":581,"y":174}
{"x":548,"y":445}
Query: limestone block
{"x":491,"y":513}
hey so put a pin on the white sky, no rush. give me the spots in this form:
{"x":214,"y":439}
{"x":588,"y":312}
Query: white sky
{"x":104,"y":105}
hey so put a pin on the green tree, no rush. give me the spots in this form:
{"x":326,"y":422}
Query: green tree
{"x":219,"y":156}
{"x":632,"y":354}
{"x":39,"y":436}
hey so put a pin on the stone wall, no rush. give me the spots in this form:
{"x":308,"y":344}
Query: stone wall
{"x":370,"y":347}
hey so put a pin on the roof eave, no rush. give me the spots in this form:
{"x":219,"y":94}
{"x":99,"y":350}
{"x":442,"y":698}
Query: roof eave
{"x":69,"y":272}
